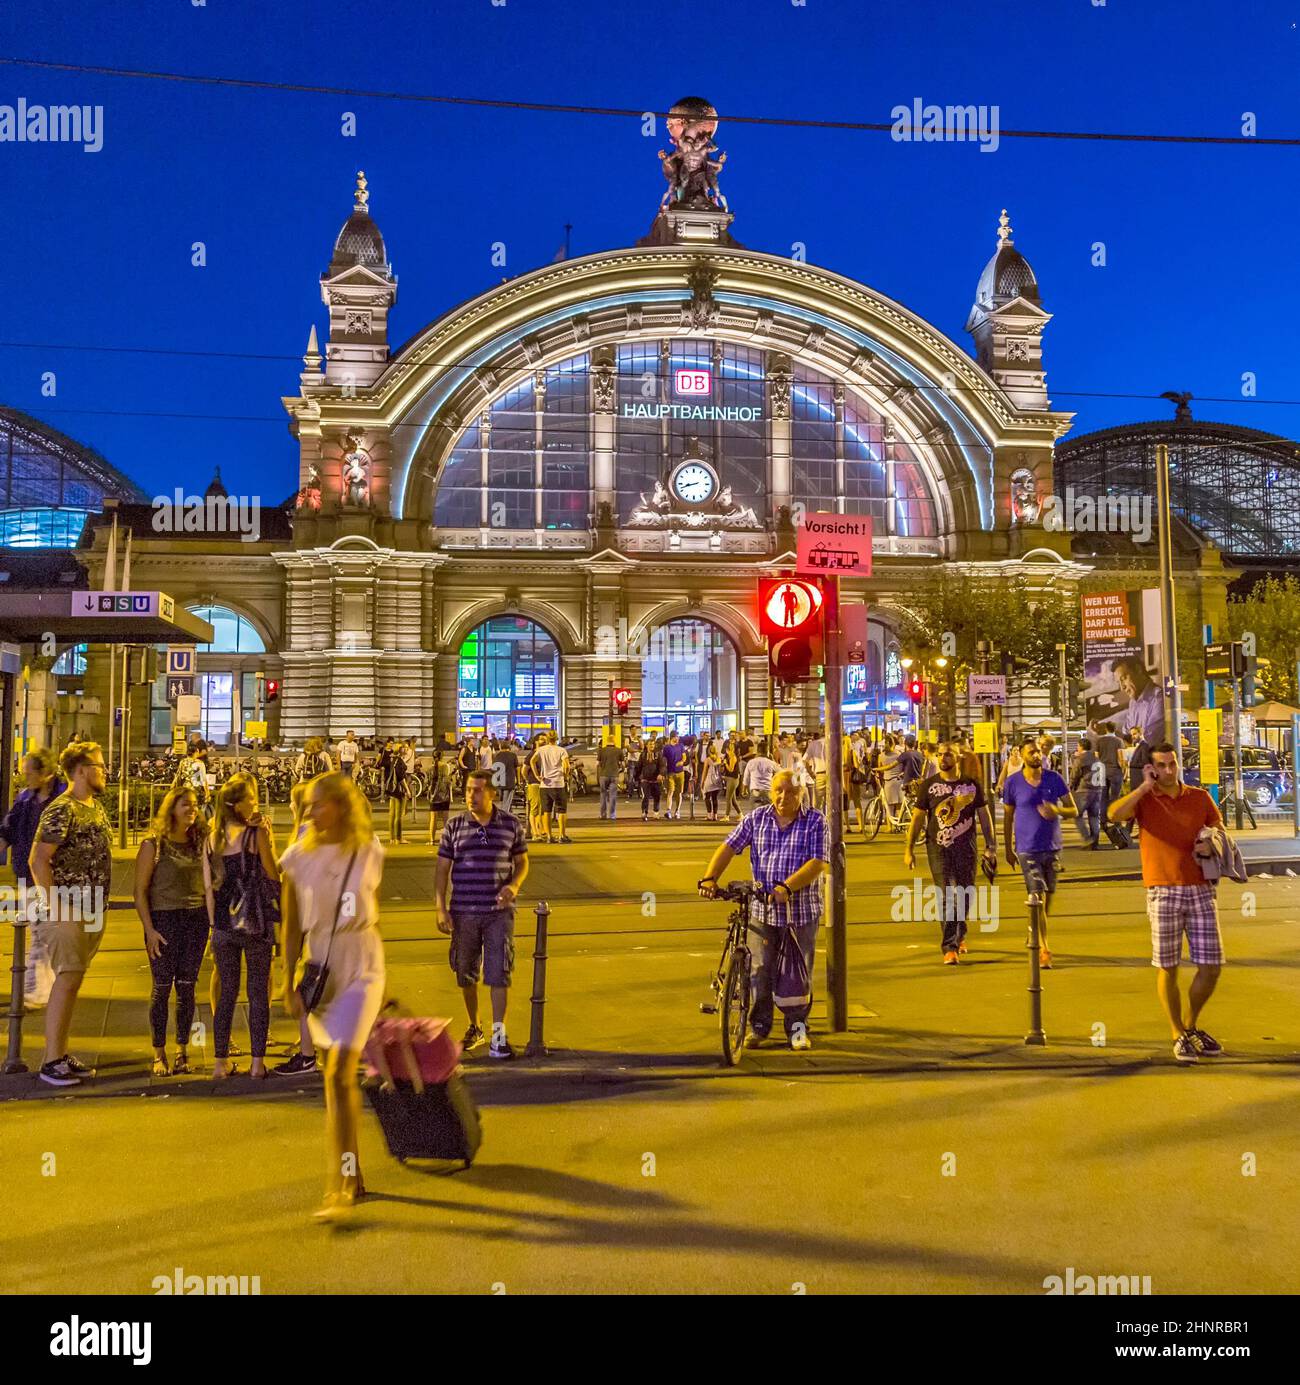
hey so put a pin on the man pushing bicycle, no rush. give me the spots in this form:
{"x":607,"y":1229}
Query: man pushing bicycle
{"x":788,"y":856}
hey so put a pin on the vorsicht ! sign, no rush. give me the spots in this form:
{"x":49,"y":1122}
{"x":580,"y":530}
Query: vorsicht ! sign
{"x":830,"y":545}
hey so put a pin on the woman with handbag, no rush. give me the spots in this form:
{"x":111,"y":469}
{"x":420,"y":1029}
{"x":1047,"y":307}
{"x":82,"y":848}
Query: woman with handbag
{"x":330,"y":904}
{"x":650,"y":774}
{"x":173,"y":897}
{"x":245,"y":913}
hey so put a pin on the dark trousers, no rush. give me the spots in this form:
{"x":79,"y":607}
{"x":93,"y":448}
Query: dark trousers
{"x":227,"y":949}
{"x":1090,"y":815}
{"x":1114,"y":790}
{"x":185,"y":932}
{"x":762,"y":956}
{"x":958,"y":872}
{"x":649,"y":790}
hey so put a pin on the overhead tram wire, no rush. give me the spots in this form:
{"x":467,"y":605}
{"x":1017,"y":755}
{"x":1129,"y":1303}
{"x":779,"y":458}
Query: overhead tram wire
{"x":615,"y":112}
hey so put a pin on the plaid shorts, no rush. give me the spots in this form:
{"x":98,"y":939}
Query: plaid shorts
{"x":1178,"y":909}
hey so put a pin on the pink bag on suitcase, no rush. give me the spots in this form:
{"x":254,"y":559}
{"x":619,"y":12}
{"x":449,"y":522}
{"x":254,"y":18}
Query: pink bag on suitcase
{"x":395,"y":1046}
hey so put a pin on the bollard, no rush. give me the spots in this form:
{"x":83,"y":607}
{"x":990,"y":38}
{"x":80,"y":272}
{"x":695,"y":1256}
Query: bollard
{"x":1035,"y":1035}
{"x":14,"y":1056}
{"x":536,"y":1044}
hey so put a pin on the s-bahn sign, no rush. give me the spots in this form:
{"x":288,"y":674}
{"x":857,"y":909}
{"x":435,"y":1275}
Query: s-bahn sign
{"x":123,"y":604}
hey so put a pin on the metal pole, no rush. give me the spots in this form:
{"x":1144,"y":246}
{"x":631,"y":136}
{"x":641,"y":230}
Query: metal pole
{"x":123,"y":788}
{"x":1295,"y":772}
{"x":1211,"y":789}
{"x":982,"y":651}
{"x":1065,"y":714}
{"x":1173,"y":699}
{"x":536,"y":1044}
{"x":1236,"y":739}
{"x":837,"y":979}
{"x":18,"y":973}
{"x":1035,"y":1035}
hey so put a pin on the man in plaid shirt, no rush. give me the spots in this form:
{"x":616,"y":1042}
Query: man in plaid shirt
{"x":788,"y":856}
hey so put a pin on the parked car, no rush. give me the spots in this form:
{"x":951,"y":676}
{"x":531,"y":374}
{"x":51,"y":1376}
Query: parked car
{"x":1264,"y":777}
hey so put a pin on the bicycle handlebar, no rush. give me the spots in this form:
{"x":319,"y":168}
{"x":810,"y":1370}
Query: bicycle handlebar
{"x":738,"y":892}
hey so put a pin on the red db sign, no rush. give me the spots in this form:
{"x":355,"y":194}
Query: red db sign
{"x":694,"y":382}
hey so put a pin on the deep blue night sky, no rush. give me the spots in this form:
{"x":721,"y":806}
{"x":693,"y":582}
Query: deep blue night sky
{"x":1202,"y":282}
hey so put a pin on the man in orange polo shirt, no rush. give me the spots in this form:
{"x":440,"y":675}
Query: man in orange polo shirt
{"x":1179,"y":899}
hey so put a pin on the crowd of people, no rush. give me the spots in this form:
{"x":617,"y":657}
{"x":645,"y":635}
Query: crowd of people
{"x":210,"y":876}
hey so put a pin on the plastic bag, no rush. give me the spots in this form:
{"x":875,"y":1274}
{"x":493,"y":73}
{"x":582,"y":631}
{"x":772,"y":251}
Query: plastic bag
{"x":40,"y":975}
{"x":791,"y":984}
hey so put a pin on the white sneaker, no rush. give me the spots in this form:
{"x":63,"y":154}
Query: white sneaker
{"x":500,"y":1045}
{"x":799,"y":1039}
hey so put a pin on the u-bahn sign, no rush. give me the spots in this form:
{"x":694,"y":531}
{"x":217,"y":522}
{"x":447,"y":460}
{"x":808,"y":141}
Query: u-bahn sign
{"x":834,"y":545}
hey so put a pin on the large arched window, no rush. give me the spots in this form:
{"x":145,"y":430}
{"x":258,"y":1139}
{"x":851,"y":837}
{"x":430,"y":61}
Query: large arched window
{"x":508,"y":680}
{"x":231,"y":632}
{"x":226,"y":681}
{"x":689,"y":680}
{"x":526,"y":463}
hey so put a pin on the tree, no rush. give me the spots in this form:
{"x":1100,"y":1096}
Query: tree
{"x":1271,"y":612}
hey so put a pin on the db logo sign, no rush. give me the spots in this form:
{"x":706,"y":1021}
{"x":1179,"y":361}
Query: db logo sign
{"x":693,"y":382}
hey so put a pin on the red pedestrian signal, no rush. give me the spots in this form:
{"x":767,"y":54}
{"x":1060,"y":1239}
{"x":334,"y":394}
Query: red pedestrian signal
{"x":790,"y":618}
{"x":620,"y":701}
{"x":272,"y":689}
{"x":916,"y":690}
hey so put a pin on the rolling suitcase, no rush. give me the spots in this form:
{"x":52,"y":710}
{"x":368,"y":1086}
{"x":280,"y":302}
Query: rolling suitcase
{"x":421,"y":1120}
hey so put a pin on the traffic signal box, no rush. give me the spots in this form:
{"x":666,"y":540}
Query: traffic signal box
{"x":620,"y":701}
{"x":790,"y":619}
{"x":916,"y":690}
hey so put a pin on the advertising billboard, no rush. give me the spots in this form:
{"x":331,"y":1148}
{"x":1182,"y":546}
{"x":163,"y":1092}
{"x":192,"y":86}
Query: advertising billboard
{"x":1122,"y":661}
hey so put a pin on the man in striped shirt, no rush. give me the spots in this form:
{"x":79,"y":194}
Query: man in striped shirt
{"x":788,"y":856}
{"x":483,"y":857}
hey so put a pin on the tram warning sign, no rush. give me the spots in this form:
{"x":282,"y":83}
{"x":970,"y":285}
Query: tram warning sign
{"x":829,"y":544}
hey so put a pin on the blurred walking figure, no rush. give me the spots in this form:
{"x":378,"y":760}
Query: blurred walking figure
{"x":173,"y":897}
{"x":711,"y":780}
{"x":392,"y":775}
{"x":330,"y":903}
{"x":1036,"y":799}
{"x":349,"y":751}
{"x":245,"y":911}
{"x":1086,"y":778}
{"x":551,"y":763}
{"x":304,"y":1061}
{"x":72,"y":863}
{"x":609,"y":760}
{"x":650,"y":771}
{"x":482,"y":856}
{"x":440,"y":781}
{"x":18,"y":830}
{"x":192,"y":773}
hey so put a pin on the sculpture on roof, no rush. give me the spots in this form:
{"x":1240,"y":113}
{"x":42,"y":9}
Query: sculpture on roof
{"x":692,"y":176}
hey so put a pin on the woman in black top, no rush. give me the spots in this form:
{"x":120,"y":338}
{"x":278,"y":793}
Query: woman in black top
{"x":650,"y":773}
{"x":392,"y":776}
{"x":174,"y":901}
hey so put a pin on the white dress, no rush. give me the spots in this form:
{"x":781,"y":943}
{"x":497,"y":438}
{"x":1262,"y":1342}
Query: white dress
{"x":354,"y":988}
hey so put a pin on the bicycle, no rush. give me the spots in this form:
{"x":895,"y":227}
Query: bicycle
{"x":878,"y":814}
{"x":730,"y":983}
{"x":1228,"y":809}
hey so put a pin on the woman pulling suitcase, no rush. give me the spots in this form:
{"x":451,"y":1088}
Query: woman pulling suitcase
{"x":331,"y":912}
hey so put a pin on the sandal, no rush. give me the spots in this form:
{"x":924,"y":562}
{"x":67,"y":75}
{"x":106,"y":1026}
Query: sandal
{"x":159,"y":1068}
{"x":231,"y":1071}
{"x":181,"y":1066}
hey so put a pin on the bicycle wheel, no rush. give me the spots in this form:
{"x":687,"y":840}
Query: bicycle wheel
{"x":735,"y":1007}
{"x":875,"y":814}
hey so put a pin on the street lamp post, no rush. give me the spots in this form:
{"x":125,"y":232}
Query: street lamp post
{"x":1172,"y":700}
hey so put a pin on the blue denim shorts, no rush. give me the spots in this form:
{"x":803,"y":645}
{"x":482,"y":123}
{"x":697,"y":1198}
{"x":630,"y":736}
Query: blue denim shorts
{"x":485,"y":940}
{"x":1039,"y":870}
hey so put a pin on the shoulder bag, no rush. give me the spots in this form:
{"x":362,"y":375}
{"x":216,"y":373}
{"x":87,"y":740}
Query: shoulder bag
{"x":315,"y":974}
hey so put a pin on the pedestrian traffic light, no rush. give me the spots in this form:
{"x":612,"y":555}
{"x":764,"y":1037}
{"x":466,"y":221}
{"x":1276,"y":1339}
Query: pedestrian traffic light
{"x":916,"y":690}
{"x":620,"y":701}
{"x":789,"y":616}
{"x":1249,"y":685}
{"x":272,"y":689}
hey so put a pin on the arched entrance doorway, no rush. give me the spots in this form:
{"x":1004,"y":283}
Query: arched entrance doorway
{"x":689,"y":679}
{"x":508,"y":679}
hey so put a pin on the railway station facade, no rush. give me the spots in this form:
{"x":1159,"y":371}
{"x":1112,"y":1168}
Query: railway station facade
{"x":573,"y":481}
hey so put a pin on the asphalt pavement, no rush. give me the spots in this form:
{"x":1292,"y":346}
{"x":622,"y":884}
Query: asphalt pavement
{"x":927,"y":1149}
